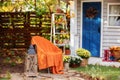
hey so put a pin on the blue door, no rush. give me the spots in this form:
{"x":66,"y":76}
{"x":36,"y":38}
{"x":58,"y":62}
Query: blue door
{"x":91,"y":26}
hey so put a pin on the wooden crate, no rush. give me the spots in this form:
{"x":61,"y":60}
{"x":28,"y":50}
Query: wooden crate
{"x":31,"y":66}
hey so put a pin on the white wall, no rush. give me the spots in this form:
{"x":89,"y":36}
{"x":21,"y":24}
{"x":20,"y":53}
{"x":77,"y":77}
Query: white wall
{"x":73,"y":29}
{"x":111,"y":35}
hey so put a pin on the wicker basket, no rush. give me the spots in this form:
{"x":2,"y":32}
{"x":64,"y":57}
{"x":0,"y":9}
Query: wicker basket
{"x":84,"y":63}
{"x":116,"y":54}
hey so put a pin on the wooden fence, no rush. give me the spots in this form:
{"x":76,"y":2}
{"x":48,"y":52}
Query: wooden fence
{"x":16,"y":28}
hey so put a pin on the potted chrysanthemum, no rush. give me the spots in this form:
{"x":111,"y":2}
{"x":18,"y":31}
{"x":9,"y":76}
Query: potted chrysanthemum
{"x":66,"y":60}
{"x":84,"y":54}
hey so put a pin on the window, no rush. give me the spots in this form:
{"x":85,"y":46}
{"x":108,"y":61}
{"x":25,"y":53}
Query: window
{"x":114,"y":14}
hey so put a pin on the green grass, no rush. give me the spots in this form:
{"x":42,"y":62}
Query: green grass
{"x":4,"y":79}
{"x":109,"y":73}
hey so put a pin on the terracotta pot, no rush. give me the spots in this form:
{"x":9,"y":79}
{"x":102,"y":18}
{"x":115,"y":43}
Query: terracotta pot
{"x":67,"y":52}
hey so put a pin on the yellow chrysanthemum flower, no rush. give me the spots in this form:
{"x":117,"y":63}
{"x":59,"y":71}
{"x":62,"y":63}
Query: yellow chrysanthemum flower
{"x":83,"y":53}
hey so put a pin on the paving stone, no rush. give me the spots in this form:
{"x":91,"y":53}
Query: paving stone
{"x":60,"y":79}
{"x":77,"y":75}
{"x":48,"y":79}
{"x":69,"y":75}
{"x":17,"y":76}
{"x":42,"y":78}
{"x":71,"y":71}
{"x":76,"y":78}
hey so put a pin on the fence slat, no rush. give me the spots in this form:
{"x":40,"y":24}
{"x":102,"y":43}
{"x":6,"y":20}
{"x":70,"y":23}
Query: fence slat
{"x":16,"y":28}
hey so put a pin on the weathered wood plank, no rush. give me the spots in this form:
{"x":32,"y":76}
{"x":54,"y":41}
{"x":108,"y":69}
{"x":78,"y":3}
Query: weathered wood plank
{"x":16,"y":28}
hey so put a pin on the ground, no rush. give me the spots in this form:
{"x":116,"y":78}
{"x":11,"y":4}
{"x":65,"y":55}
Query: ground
{"x":12,"y":68}
{"x":12,"y":61}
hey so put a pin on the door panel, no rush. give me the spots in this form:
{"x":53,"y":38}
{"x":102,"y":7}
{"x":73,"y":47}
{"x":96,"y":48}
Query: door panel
{"x":91,"y":27}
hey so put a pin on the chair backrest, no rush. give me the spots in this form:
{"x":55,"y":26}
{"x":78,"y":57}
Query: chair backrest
{"x":44,"y":44}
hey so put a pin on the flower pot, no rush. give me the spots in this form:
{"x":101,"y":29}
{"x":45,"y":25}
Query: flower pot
{"x":74,"y":65}
{"x":84,"y":63}
{"x":66,"y":66}
{"x":67,"y":52}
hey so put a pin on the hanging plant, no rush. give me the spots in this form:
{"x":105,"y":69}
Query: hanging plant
{"x":91,"y":12}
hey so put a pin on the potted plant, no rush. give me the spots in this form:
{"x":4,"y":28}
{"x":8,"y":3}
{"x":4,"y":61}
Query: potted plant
{"x":75,"y":61}
{"x":67,"y":49}
{"x":66,"y":60}
{"x":61,"y":38}
{"x":84,"y":54}
{"x":115,"y":52}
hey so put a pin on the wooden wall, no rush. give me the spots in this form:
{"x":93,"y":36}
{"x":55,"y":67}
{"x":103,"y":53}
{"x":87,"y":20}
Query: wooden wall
{"x":111,"y":34}
{"x":17,"y":28}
